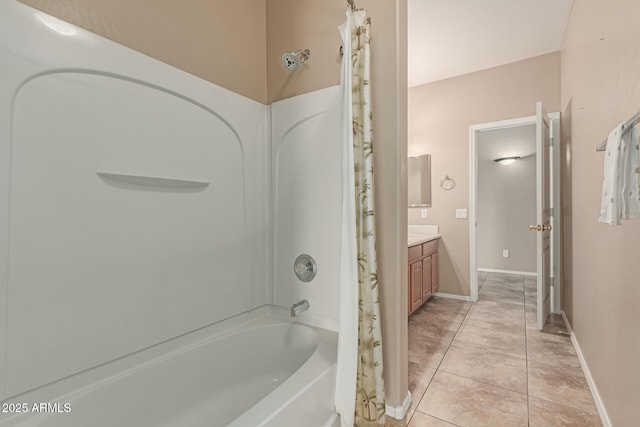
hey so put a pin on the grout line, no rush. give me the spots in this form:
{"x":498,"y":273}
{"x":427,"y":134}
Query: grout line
{"x":433,"y":416}
{"x":444,"y":355}
{"x":487,"y":350}
{"x":566,"y":405}
{"x":504,"y":316}
{"x":426,"y":388}
{"x":456,"y":334}
{"x":411,"y":417}
{"x":564,"y":368}
{"x":448,"y":348}
{"x":546,"y":399}
{"x":494,"y":351}
{"x":524,"y":314}
{"x":496,"y":330}
{"x":484,"y":382}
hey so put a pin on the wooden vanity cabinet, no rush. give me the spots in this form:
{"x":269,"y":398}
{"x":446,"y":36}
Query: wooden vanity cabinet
{"x":423,"y":273}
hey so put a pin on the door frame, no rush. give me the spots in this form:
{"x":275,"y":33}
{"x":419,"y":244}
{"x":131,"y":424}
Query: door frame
{"x":556,"y":265}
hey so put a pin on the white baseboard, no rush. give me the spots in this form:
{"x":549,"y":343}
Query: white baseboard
{"x":604,"y":417}
{"x":452,"y":296}
{"x":399,"y":412}
{"x":523,"y":273}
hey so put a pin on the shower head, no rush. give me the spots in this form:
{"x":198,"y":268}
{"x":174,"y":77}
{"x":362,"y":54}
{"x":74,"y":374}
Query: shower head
{"x":292,"y":60}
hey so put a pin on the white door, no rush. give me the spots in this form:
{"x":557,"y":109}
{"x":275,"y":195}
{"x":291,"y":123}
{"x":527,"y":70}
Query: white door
{"x":543,"y":227}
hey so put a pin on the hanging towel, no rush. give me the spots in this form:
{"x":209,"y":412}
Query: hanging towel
{"x":630,"y":175}
{"x":620,"y":189}
{"x":611,"y":197}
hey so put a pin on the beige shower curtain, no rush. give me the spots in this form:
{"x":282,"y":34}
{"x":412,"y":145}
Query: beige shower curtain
{"x":370,"y":406}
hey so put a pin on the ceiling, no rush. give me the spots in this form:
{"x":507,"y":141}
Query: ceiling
{"x":514,"y":141}
{"x":449,"y":38}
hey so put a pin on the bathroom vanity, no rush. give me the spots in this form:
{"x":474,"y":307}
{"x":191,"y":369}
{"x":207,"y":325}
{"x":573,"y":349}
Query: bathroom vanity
{"x":423,"y":266}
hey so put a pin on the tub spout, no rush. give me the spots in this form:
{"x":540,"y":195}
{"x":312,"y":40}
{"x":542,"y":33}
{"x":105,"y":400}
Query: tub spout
{"x":299,"y":307}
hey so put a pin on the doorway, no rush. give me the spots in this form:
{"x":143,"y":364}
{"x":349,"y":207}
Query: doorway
{"x":505,"y":193}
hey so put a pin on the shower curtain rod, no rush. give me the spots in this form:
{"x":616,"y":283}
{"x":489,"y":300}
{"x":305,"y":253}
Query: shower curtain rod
{"x":627,"y":125}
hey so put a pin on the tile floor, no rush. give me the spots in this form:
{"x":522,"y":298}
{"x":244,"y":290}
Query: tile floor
{"x":486,"y":364}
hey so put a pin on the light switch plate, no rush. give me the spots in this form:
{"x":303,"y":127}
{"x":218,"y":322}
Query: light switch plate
{"x":423,"y":213}
{"x":461,"y":213}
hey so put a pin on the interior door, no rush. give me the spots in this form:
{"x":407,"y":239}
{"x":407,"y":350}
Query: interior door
{"x":543,"y":227}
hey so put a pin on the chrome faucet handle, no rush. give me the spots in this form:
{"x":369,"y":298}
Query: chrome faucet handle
{"x":305,"y":268}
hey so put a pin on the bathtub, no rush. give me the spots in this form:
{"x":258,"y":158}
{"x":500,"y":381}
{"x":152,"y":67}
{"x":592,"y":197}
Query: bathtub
{"x":266,"y":371}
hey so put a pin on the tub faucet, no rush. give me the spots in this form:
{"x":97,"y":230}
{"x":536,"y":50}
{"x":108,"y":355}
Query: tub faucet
{"x":299,"y":307}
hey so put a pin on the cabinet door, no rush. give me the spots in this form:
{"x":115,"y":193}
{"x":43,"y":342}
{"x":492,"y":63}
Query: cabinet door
{"x":414,"y":253}
{"x":426,"y":278}
{"x":415,"y":284}
{"x":435,"y":283}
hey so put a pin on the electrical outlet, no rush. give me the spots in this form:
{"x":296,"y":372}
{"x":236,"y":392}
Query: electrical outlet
{"x":423,"y":213}
{"x":505,"y":253}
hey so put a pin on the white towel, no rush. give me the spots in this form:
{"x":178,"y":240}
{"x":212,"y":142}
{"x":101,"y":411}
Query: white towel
{"x":630,"y":175}
{"x":620,"y":189}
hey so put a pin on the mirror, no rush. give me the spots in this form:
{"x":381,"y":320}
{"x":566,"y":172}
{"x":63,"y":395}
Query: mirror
{"x":419,"y":180}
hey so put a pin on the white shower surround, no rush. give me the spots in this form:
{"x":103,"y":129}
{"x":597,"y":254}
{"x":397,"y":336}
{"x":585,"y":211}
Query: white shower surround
{"x":98,"y":274}
{"x":307,"y":176}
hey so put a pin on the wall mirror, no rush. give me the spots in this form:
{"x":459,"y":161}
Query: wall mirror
{"x":419,"y":180}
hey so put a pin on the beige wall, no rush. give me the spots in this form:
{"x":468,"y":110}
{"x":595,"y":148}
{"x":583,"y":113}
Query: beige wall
{"x":601,"y":88}
{"x":303,"y":24}
{"x":506,"y":208}
{"x":389,"y":83}
{"x":312,"y":24}
{"x":440,"y":114}
{"x":218,"y":40}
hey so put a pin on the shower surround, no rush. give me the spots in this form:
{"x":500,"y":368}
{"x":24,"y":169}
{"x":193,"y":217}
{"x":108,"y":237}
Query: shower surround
{"x":141,"y":231}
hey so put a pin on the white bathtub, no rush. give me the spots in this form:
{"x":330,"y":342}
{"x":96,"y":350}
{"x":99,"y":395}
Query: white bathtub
{"x":266,"y":371}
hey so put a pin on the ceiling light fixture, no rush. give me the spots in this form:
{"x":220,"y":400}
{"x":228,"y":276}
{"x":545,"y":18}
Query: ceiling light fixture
{"x":506,"y":161}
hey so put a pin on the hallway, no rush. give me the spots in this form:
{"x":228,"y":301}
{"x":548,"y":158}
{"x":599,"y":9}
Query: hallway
{"x":486,"y":364}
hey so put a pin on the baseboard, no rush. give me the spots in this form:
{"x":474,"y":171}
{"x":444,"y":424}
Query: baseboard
{"x":399,"y":412}
{"x":604,"y":417}
{"x":452,"y":296}
{"x":522,"y":273}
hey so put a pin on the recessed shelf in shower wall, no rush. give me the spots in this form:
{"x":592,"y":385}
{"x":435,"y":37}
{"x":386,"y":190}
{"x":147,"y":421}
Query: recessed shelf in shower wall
{"x":152,"y":181}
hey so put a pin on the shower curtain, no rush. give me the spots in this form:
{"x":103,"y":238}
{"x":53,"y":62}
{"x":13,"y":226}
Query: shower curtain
{"x":360,"y":385}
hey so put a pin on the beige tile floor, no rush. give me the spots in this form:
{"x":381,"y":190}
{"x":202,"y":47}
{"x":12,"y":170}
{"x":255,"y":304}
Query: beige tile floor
{"x":486,"y":364}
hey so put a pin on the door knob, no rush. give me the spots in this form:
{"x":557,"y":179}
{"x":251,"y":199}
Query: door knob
{"x":540,"y":227}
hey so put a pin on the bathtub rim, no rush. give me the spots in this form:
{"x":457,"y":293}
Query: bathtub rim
{"x":84,"y":382}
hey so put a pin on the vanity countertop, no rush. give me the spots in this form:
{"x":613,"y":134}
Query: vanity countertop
{"x":418,"y":239}
{"x":419,"y":234}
